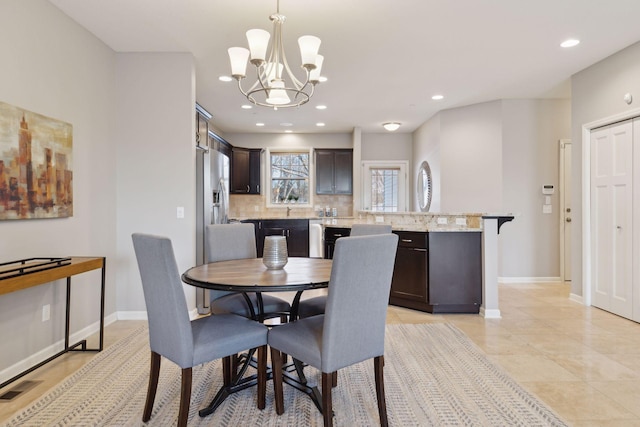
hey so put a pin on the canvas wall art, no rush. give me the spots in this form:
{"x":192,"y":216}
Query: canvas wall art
{"x":36,"y":174}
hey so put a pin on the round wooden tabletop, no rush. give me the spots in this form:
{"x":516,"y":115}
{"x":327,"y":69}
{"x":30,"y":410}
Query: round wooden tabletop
{"x":251,"y":275}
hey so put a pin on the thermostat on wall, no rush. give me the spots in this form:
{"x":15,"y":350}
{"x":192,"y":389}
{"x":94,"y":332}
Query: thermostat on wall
{"x":547,"y":189}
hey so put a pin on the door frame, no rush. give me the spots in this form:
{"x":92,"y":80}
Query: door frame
{"x":586,"y":196}
{"x":563,"y":189}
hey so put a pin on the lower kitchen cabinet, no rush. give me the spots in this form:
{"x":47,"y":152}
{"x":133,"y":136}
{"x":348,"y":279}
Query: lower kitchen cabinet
{"x":295,"y":230}
{"x":331,"y":234}
{"x":438,"y":272}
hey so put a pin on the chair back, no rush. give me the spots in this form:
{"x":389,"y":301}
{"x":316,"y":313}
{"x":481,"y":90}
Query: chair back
{"x":356,"y":310}
{"x":170,"y":333}
{"x":224,"y":242}
{"x":369,"y":229}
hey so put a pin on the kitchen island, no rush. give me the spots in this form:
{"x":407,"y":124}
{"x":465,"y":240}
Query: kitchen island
{"x":446,"y":263}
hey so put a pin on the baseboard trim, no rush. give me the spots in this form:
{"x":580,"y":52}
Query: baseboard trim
{"x":491,"y":313}
{"x":52,"y":349}
{"x":576,"y":298}
{"x":142,"y":315}
{"x":529,"y":279}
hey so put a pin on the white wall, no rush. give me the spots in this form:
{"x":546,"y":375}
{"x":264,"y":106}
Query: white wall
{"x":133,"y":164}
{"x":290,"y":140}
{"x":426,"y":147}
{"x":387,"y":146}
{"x":53,"y":67}
{"x":531,"y":130}
{"x":493,"y":158}
{"x":156,"y":162}
{"x":597,"y":93}
{"x":471,"y":158}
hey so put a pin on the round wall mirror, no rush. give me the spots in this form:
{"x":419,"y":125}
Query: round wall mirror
{"x":424,"y":187}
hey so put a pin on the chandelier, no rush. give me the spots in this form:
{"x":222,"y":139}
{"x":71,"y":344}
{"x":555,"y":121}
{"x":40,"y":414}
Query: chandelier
{"x":276,"y":86}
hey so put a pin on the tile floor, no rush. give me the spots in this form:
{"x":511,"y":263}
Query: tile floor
{"x":582,"y":361}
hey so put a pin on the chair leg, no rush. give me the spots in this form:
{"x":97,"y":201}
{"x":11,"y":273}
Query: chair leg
{"x":154,"y":374}
{"x":327,"y":410}
{"x":185,"y":397}
{"x":334,"y":379}
{"x":378,"y":366}
{"x":262,"y":376}
{"x":276,"y":367}
{"x":228,"y":372}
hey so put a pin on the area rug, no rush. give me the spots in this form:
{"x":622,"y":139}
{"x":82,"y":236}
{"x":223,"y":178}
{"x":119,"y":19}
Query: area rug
{"x":434,"y":376}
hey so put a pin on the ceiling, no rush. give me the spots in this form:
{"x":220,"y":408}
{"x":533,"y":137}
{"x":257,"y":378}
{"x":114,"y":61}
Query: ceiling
{"x":384,"y":59}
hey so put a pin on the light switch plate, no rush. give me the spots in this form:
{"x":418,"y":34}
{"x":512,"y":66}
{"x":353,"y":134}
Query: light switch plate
{"x":442,"y":220}
{"x":546,"y":209}
{"x":461,"y":221}
{"x":180,"y":212}
{"x":379,"y":218}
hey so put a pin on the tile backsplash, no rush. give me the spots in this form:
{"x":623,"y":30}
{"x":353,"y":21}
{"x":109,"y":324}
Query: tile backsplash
{"x":244,"y":206}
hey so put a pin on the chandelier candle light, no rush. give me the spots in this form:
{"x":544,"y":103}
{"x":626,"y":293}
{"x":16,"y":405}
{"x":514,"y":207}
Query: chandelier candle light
{"x":271,"y":89}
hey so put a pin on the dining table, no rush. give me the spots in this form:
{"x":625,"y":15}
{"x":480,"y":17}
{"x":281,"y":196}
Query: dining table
{"x":251,"y":275}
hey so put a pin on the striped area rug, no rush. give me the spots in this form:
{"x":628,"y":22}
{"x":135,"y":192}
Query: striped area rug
{"x":434,"y":376}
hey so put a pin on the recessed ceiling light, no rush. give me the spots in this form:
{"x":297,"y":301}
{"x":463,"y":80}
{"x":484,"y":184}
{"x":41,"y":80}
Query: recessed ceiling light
{"x":246,"y":107}
{"x":288,"y":131}
{"x":259,"y":124}
{"x":437,"y":97}
{"x":225,"y":78}
{"x":391,"y":126}
{"x":286,"y":124}
{"x":320,"y":124}
{"x":570,"y":43}
{"x":322,"y":79}
{"x":321,"y":107}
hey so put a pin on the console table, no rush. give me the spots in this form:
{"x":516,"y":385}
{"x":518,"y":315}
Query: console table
{"x":29,"y":272}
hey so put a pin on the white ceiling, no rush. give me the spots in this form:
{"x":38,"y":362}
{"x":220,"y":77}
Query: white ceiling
{"x":384,"y":59}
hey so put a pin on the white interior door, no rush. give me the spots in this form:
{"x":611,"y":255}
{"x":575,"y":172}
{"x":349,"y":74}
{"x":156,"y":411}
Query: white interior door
{"x":611,"y":225}
{"x":565,"y":209}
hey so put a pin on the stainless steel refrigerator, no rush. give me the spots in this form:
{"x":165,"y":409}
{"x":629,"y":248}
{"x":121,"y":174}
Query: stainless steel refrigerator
{"x":212,"y":203}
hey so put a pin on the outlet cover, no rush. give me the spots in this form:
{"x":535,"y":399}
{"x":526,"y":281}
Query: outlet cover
{"x":46,"y":312}
{"x":461,"y":221}
{"x":180,"y":212}
{"x":379,"y":218}
{"x":546,"y":209}
{"x":442,"y":220}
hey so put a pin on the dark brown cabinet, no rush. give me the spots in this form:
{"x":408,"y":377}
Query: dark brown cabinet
{"x":296,"y":231}
{"x":438,"y":272}
{"x":202,"y":128}
{"x":334,"y":171}
{"x":409,"y":286}
{"x":455,"y":272}
{"x":331,"y":234}
{"x":245,"y":171}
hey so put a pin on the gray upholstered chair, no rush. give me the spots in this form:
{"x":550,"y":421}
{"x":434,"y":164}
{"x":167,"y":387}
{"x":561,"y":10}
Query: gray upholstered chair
{"x":314,"y":306}
{"x":184,"y":342}
{"x":238,"y":241}
{"x":353,"y":326}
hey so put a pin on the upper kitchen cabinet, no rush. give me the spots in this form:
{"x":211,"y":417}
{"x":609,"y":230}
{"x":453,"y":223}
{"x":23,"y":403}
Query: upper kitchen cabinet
{"x":245,"y":171}
{"x":334,"y":171}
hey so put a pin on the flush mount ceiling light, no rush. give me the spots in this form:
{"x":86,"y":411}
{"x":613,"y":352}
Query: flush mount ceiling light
{"x":391,"y":126}
{"x":570,"y":43}
{"x":276,"y":86}
{"x":437,"y":97}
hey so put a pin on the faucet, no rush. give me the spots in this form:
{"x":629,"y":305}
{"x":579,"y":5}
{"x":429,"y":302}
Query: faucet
{"x":288,"y":211}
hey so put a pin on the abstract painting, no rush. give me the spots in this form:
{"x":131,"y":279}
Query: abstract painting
{"x":36,"y":174}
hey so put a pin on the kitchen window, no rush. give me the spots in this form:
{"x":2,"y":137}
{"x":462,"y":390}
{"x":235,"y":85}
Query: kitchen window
{"x":289,"y":178}
{"x":385,"y":186}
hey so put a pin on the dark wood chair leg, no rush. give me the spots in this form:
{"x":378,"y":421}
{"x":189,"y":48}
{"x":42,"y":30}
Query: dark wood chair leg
{"x":334,"y":379}
{"x":276,"y":367}
{"x":227,"y":370}
{"x":378,"y":366}
{"x":185,"y":397}
{"x":154,"y":374}
{"x":262,"y":376}
{"x":327,"y":410}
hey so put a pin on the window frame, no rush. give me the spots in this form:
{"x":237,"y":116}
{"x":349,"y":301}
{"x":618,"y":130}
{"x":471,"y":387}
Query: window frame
{"x":403,"y":183}
{"x":267,"y":186}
